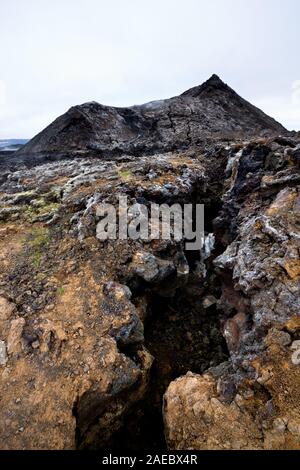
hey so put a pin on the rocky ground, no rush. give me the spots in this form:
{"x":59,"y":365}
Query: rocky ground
{"x":252,"y":400}
{"x":94,"y":333}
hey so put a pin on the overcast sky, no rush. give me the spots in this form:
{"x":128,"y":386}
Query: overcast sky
{"x":54,"y":54}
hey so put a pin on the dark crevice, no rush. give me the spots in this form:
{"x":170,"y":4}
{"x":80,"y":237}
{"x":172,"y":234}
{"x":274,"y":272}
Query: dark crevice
{"x":182,"y":336}
{"x":183,"y":332}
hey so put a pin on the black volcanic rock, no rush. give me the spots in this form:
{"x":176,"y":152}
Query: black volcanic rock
{"x":210,"y":110}
{"x":83,"y":319}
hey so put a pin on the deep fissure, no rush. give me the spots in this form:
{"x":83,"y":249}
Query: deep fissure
{"x":182,"y":336}
{"x":182,"y":332}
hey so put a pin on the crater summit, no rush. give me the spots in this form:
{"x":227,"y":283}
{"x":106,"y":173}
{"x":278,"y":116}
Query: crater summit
{"x":211,"y":110}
